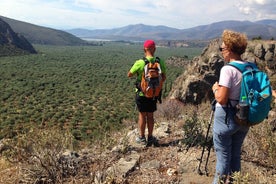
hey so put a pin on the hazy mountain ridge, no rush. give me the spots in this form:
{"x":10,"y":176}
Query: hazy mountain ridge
{"x":266,"y":29}
{"x":267,"y":22}
{"x":43,"y":35}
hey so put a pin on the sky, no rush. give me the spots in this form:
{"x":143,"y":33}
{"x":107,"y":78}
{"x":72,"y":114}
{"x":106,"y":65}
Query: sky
{"x":108,"y":14}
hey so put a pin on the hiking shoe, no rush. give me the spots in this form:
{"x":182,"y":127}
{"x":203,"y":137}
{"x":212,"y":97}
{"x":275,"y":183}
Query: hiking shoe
{"x":141,"y":140}
{"x":152,"y":141}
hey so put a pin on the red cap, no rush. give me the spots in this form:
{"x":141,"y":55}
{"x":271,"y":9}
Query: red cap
{"x":149,"y":44}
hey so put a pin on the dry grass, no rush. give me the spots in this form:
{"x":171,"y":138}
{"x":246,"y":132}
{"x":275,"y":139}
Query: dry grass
{"x":36,"y":156}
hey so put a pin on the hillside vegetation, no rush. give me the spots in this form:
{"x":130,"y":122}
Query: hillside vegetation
{"x":85,"y":89}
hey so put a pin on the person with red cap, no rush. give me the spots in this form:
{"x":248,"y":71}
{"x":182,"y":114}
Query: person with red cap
{"x":146,"y":106}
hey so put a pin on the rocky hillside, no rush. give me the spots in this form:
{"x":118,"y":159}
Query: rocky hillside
{"x":194,"y":85}
{"x":43,"y":35}
{"x":12,"y":43}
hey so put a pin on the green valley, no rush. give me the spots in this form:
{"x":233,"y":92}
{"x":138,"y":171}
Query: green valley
{"x":82,"y":88}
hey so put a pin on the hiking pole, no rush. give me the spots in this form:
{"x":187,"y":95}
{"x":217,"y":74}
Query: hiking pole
{"x":205,"y":142}
{"x":210,"y":144}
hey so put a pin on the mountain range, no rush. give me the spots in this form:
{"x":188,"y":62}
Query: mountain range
{"x":35,"y":34}
{"x":265,"y":29}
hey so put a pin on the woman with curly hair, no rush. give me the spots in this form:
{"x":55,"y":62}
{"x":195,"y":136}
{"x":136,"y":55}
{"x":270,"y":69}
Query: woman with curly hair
{"x":228,"y":135}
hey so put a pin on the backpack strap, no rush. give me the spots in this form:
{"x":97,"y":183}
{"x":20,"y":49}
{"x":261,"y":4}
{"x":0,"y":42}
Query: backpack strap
{"x":157,"y":59}
{"x":146,"y":60}
{"x":242,"y":67}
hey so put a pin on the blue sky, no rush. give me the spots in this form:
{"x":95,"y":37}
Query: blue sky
{"x":106,"y":14}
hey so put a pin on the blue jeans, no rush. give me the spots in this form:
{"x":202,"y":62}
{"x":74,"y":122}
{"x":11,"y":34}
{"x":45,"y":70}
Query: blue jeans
{"x":228,"y":137}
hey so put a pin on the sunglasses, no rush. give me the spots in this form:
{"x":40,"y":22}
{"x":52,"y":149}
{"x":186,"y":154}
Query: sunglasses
{"x":221,"y":49}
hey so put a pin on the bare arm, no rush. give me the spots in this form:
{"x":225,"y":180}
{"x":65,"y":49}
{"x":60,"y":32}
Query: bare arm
{"x":221,"y":93}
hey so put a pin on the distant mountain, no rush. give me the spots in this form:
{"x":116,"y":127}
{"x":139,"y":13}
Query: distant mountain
{"x":42,"y":35}
{"x":12,"y":43}
{"x":265,"y":29}
{"x":130,"y":32}
{"x":214,"y":30}
{"x":267,"y":22}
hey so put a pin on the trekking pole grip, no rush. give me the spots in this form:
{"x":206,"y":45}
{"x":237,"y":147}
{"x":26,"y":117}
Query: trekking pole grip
{"x":213,"y":105}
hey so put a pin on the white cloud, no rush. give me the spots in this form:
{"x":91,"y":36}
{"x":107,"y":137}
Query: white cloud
{"x":64,"y":14}
{"x":258,"y":9}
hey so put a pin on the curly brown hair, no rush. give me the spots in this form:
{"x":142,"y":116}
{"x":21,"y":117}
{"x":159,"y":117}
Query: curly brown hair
{"x":234,"y":41}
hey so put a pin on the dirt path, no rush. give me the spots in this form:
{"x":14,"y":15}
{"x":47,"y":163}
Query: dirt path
{"x":172,"y":162}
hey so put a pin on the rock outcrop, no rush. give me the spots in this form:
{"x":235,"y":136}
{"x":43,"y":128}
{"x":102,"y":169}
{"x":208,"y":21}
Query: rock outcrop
{"x":195,"y":84}
{"x":12,"y":43}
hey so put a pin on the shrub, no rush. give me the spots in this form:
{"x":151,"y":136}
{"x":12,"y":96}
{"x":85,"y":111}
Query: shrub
{"x":236,"y":178}
{"x":38,"y":153}
{"x":260,"y":145}
{"x":170,"y":110}
{"x":193,"y":129}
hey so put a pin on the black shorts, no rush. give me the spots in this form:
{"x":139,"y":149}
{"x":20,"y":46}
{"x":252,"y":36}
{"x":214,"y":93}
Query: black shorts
{"x":145,"y":104}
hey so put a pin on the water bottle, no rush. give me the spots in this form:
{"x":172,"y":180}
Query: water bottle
{"x":243,"y":108}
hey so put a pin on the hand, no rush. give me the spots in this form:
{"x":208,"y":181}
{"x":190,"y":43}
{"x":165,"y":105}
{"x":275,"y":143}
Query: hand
{"x":215,"y":87}
{"x":129,"y":74}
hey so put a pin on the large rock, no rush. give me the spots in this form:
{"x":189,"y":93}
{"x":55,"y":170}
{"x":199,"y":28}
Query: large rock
{"x":195,"y":84}
{"x":259,"y":51}
{"x":124,"y":166}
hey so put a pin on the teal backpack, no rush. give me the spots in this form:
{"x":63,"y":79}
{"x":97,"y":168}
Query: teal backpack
{"x":256,"y":89}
